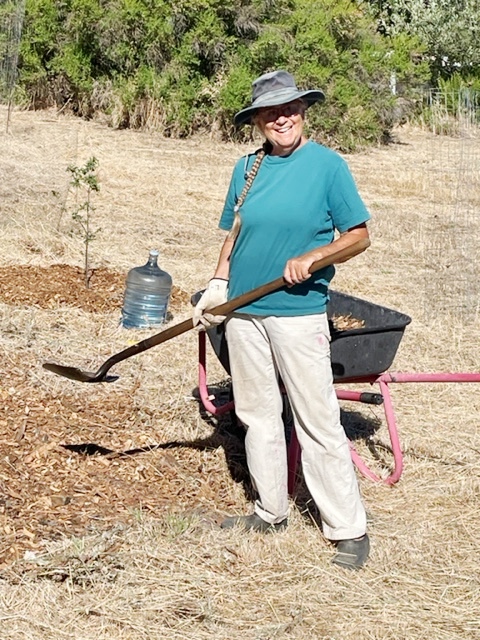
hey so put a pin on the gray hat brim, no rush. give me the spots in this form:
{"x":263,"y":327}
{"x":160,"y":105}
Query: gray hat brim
{"x":274,"y":98}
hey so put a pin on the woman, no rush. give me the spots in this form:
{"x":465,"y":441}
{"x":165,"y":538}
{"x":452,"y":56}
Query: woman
{"x":283,"y":207}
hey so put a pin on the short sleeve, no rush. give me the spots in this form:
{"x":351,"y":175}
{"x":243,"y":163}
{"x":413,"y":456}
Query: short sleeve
{"x":226,"y":219}
{"x":237,"y":181}
{"x":346,"y":206}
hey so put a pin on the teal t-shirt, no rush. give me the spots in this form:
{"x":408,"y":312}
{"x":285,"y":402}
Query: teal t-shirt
{"x":294,"y":205}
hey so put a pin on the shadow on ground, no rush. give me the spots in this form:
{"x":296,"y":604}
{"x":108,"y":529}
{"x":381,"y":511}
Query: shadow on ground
{"x":229,"y":435}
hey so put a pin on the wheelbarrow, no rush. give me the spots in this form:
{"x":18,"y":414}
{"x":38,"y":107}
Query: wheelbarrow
{"x":359,"y":356}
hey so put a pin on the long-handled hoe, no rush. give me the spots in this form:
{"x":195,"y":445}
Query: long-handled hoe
{"x":73,"y":373}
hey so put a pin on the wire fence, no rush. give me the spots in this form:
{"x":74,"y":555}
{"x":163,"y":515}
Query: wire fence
{"x":452,"y":247}
{"x":455,"y":112}
{"x":12,"y":13}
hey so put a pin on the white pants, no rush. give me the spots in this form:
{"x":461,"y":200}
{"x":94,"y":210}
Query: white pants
{"x":262,"y":348}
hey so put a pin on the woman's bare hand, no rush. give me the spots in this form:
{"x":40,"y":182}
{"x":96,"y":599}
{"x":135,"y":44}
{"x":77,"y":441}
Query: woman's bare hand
{"x":297,"y":269}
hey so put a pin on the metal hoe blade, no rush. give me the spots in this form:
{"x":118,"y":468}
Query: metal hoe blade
{"x":72,"y":373}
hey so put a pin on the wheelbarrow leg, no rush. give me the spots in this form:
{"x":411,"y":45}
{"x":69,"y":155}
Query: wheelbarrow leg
{"x":392,"y":430}
{"x":377,"y":398}
{"x":293,"y":459}
{"x":369,"y":398}
{"x":215,"y":410}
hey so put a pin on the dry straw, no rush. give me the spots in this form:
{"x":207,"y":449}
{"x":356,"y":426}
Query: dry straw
{"x":128,"y":546}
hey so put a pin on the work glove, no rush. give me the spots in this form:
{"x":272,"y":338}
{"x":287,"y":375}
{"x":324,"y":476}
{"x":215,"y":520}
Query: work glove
{"x":214,"y":294}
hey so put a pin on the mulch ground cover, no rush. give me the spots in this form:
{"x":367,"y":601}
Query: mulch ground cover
{"x":55,"y":479}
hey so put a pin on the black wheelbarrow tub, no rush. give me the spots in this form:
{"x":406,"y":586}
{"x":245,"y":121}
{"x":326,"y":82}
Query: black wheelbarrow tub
{"x":355,"y":353}
{"x":371,"y":349}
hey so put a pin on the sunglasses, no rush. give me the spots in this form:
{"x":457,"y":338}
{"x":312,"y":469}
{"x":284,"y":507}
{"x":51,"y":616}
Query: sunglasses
{"x":270,"y":114}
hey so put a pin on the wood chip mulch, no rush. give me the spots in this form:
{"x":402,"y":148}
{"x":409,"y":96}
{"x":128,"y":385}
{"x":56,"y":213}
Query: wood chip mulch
{"x":64,"y":285}
{"x":56,"y":477}
{"x":346,"y":323}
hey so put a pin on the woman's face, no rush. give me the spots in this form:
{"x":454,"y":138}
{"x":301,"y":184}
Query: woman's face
{"x":282,"y":125}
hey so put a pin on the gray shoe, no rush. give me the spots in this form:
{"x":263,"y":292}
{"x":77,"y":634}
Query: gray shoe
{"x":352,"y":554}
{"x":253,"y":523}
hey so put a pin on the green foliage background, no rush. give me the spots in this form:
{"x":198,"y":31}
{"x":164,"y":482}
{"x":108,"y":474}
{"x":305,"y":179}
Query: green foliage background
{"x":450,"y":30}
{"x":183,"y":66}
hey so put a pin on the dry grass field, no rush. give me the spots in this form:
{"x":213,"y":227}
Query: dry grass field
{"x":111,"y":494}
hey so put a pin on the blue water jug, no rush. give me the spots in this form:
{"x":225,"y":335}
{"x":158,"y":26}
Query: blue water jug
{"x":147,"y":294}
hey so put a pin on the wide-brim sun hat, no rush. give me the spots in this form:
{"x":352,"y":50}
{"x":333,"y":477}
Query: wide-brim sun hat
{"x":272,"y":89}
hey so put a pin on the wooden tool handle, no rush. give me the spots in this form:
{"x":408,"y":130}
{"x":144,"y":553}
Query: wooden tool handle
{"x":230,"y":306}
{"x":244,"y":299}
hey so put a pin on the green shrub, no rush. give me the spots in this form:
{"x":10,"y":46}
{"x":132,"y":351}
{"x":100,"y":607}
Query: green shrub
{"x":188,"y":66}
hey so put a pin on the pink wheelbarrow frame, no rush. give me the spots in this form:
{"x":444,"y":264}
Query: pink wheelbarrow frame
{"x":379,"y":343}
{"x":383,"y":381}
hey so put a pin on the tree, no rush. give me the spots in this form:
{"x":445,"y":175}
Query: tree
{"x":332,"y":44}
{"x":449,"y":28}
{"x":85,"y":181}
